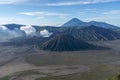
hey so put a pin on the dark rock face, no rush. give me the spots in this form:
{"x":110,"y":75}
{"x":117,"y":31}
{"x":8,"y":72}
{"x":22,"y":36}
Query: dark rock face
{"x":65,"y":42}
{"x":93,"y":33}
{"x":13,"y":26}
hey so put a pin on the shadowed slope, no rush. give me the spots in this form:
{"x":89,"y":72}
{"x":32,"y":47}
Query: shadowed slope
{"x":64,"y":42}
{"x":93,"y":33}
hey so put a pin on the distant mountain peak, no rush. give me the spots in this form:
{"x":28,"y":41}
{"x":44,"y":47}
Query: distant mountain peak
{"x":74,"y":22}
{"x":75,"y":19}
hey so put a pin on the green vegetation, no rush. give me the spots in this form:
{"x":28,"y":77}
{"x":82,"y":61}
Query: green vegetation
{"x":5,"y":78}
{"x":115,"y":78}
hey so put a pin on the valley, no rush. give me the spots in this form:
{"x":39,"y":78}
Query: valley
{"x":76,"y":50}
{"x":59,"y":40}
{"x":30,"y":63}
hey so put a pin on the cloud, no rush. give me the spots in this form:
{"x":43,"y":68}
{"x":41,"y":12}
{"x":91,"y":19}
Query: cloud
{"x":54,"y":3}
{"x":80,"y":13}
{"x":45,"y":33}
{"x":80,"y":2}
{"x":29,"y":30}
{"x":13,"y":19}
{"x":6,"y":34}
{"x":5,"y":20}
{"x":44,"y":14}
{"x":90,"y":9}
{"x":12,"y":1}
{"x":112,"y":12}
{"x":25,"y":31}
{"x":104,"y":18}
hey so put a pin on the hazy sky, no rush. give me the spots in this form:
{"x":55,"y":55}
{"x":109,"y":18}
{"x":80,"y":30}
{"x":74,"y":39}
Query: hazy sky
{"x":56,"y":12}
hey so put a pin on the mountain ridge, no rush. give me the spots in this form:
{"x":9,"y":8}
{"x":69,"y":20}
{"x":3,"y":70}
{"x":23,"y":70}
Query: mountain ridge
{"x":77,"y":22}
{"x":74,"y":22}
{"x":92,"y":33}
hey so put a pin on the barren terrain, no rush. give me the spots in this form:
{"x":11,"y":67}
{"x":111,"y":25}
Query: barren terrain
{"x":30,"y":63}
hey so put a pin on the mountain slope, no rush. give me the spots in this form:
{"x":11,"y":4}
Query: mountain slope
{"x":103,"y":24}
{"x":89,"y":33}
{"x":74,"y":22}
{"x":92,"y":33}
{"x":64,"y":42}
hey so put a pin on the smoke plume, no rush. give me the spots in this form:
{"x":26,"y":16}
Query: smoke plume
{"x":6,"y":34}
{"x":29,"y":30}
{"x":45,"y":33}
{"x":24,"y":31}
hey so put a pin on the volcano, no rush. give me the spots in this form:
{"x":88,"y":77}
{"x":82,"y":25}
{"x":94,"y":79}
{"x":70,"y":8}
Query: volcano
{"x":65,"y":42}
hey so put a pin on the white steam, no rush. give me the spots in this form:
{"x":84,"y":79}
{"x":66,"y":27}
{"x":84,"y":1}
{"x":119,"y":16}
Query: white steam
{"x":29,"y":30}
{"x":45,"y":33}
{"x":6,"y":34}
{"x":24,"y":31}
